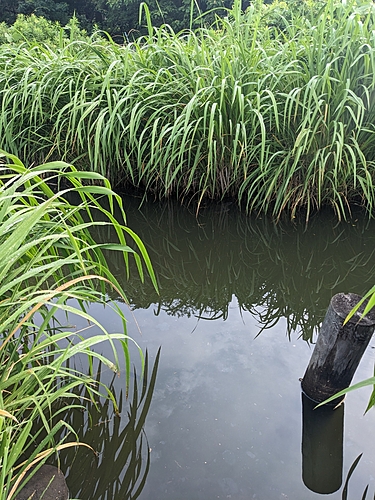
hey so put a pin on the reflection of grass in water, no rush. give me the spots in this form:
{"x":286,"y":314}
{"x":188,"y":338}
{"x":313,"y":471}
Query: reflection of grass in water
{"x":275,"y":271}
{"x":120,"y":467}
{"x":346,"y":485}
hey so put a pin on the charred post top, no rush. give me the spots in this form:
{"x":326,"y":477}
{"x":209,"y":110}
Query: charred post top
{"x":343,"y":303}
{"x":339,"y":348}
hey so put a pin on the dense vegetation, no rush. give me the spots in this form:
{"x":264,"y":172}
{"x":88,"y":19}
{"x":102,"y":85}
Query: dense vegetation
{"x":48,"y":258}
{"x":274,"y":107}
{"x":118,"y":17}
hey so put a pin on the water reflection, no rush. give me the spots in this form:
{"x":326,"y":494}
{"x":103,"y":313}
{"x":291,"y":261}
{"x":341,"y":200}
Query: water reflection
{"x":226,"y":415}
{"x":322,"y":446}
{"x":274,"y":271}
{"x":121,"y":464}
{"x":345,"y":490}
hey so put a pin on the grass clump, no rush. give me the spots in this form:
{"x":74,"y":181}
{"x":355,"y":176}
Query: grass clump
{"x":50,"y":264}
{"x":273,"y":106}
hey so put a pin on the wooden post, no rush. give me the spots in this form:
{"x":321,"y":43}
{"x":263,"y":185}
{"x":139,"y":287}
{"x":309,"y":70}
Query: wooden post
{"x":339,"y":349}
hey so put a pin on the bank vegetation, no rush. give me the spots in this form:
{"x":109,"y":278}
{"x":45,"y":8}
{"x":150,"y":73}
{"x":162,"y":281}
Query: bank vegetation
{"x":272,"y":107}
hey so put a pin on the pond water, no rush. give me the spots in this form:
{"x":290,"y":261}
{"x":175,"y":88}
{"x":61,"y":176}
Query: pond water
{"x":240,"y":304}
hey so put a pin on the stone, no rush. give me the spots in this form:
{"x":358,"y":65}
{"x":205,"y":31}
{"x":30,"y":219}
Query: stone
{"x":48,"y":483}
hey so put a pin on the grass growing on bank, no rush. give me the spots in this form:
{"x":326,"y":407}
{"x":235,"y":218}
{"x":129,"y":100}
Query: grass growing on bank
{"x":274,"y":107}
{"x":50,"y":263}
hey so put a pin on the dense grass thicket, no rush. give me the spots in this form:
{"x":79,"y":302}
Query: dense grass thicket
{"x":273,"y":107}
{"x":51,"y":268}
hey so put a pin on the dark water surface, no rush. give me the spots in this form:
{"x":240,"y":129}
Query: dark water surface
{"x":239,"y":306}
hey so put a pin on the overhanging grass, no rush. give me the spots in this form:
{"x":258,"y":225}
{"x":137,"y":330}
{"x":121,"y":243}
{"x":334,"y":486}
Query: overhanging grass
{"x":281,"y":118}
{"x":49,"y":262}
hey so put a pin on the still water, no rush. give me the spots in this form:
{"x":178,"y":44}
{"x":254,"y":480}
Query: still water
{"x":238,"y":312}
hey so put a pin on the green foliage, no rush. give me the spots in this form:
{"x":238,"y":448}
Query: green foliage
{"x":32,"y":29}
{"x":118,"y":17}
{"x":281,"y":118}
{"x":47,"y":258}
{"x":280,"y":14}
{"x":50,"y":9}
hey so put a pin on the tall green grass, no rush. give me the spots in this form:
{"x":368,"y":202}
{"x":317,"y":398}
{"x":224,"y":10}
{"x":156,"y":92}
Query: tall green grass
{"x":274,"y":110}
{"x":49,"y":263}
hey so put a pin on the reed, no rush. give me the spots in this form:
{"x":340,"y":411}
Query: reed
{"x":278,"y":115}
{"x":51,"y":266}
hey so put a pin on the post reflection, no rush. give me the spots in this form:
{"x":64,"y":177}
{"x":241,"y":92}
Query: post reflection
{"x":322,"y":446}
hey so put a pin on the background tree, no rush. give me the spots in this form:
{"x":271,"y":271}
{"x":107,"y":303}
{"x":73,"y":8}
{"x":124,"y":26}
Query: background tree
{"x":50,"y":9}
{"x":117,"y":17}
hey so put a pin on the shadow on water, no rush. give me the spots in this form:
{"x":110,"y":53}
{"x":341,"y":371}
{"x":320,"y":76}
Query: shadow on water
{"x":275,"y":271}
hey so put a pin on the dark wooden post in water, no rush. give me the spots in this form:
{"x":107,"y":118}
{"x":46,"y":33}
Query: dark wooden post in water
{"x":339,"y":348}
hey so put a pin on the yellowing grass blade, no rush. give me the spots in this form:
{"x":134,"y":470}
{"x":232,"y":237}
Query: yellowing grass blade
{"x":4,"y":413}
